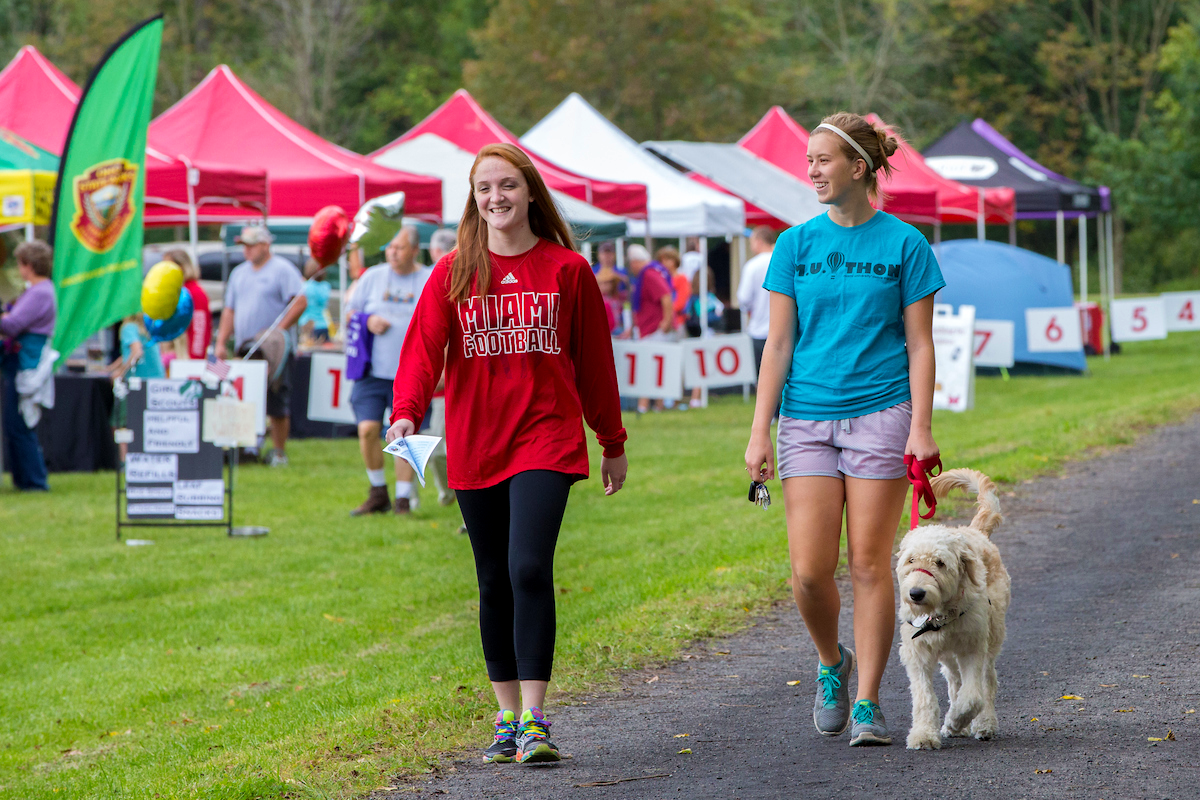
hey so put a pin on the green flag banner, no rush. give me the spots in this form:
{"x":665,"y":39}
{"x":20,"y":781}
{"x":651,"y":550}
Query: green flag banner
{"x":96,"y":230}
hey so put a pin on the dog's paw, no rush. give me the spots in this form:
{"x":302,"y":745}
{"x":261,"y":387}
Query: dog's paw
{"x":924,"y":740}
{"x":950,"y":732}
{"x":983,"y":730}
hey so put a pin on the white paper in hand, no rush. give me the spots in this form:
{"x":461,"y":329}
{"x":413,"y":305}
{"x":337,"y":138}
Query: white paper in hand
{"x":416,"y":450}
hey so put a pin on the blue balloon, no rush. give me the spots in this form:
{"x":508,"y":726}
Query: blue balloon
{"x":164,"y":330}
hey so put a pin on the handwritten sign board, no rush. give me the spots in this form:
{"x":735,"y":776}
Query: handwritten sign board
{"x":171,"y":474}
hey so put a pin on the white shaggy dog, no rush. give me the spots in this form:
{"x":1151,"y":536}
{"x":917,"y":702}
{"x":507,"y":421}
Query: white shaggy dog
{"x":954,"y":593}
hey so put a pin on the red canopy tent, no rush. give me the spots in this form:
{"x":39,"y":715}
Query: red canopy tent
{"x":464,"y":123}
{"x":957,"y":203}
{"x":223,"y":121}
{"x":37,"y":101}
{"x":755,"y":216}
{"x":781,"y":140}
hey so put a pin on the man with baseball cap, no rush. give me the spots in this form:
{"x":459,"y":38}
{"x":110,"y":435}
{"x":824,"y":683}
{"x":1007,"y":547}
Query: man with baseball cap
{"x":258,"y":293}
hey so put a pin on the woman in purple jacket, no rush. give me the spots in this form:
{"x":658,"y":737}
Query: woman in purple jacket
{"x":25,"y":330}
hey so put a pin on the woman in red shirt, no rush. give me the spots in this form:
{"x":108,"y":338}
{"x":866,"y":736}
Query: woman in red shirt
{"x":520,"y":320}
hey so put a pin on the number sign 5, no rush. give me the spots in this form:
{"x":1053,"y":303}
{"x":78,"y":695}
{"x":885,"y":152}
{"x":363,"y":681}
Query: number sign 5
{"x":1139,"y":318}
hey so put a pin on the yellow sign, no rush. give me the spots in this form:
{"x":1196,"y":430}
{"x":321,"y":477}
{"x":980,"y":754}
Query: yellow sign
{"x":102,"y":203}
{"x":26,"y":196}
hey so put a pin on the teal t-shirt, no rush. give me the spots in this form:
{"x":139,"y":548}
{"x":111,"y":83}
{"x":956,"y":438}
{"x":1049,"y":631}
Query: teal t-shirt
{"x":151,"y":365}
{"x":851,"y":286}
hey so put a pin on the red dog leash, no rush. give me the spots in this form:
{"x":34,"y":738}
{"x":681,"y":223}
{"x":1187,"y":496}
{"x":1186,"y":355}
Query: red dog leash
{"x":919,"y":473}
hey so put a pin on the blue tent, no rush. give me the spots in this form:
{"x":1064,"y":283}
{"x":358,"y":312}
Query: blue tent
{"x":1001,"y":281}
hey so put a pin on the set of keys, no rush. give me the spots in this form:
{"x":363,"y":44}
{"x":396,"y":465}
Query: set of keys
{"x":759,"y":495}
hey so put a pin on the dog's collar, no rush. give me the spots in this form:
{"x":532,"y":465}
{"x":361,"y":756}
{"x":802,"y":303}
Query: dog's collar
{"x":926,"y":623}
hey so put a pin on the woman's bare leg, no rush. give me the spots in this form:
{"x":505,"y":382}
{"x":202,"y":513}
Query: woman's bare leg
{"x":873,"y":509}
{"x":813,"y":505}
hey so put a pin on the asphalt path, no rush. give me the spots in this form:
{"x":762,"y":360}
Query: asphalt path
{"x":1105,"y":566}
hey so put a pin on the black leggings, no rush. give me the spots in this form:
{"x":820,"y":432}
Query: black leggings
{"x":513,"y":528}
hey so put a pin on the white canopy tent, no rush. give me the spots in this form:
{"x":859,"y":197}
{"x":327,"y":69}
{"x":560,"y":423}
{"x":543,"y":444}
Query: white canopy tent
{"x":578,"y":137}
{"x":430,"y":154}
{"x":746,"y":175}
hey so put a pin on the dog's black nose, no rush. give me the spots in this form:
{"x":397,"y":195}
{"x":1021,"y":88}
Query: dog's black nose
{"x":917,"y":594}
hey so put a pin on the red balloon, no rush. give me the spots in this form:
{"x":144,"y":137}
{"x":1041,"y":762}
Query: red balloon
{"x":328,"y":235}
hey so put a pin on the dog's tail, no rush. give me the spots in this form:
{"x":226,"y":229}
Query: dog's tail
{"x":988,"y":516}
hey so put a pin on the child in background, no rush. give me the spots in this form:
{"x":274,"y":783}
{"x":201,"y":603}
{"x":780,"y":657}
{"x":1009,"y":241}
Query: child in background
{"x":314,"y":326}
{"x":715,"y":310}
{"x":139,"y":358}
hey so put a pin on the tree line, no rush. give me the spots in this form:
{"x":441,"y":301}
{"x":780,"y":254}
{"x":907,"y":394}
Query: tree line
{"x":1103,"y":91}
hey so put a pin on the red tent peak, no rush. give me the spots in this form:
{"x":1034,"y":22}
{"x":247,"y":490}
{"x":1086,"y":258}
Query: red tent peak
{"x":460,"y":120}
{"x":37,"y":101}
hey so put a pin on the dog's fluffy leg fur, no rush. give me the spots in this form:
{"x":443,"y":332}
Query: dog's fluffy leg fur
{"x":987,"y":515}
{"x":971,"y":696}
{"x":986,"y":725}
{"x":925,"y":709}
{"x":953,"y":676}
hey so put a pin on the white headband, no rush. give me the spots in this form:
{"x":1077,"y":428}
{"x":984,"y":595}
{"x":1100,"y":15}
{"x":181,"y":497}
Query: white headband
{"x":851,"y":142}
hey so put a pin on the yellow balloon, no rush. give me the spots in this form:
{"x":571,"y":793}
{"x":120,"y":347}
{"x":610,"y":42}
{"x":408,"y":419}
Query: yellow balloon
{"x":160,"y":290}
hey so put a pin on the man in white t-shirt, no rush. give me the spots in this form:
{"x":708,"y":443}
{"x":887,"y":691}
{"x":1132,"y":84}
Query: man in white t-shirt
{"x":752,"y":297}
{"x":691,"y":261}
{"x":388,"y":294}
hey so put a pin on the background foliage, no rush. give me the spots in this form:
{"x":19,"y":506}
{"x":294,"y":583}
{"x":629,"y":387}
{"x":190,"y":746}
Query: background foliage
{"x":1103,"y":90}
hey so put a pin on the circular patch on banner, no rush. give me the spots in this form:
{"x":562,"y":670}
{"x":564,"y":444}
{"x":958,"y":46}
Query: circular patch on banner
{"x":104,"y":203}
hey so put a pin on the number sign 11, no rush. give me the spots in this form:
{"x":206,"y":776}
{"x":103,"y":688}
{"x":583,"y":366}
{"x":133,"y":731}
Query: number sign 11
{"x":648,"y":368}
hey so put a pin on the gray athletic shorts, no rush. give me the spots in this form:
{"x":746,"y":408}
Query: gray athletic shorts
{"x":870,"y":446}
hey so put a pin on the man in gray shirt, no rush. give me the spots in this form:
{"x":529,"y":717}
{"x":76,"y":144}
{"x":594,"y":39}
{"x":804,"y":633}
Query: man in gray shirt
{"x":259,"y":290}
{"x":387,"y":293}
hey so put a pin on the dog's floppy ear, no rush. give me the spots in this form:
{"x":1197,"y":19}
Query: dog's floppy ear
{"x":973,"y":568}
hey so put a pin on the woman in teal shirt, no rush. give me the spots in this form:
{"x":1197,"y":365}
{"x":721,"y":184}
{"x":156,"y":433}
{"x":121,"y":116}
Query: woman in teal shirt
{"x":850,"y":349}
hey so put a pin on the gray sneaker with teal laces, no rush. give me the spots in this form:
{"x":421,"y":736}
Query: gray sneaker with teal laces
{"x":831,"y":709}
{"x":868,"y":727}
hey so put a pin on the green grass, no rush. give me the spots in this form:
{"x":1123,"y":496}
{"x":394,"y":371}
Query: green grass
{"x":335,"y":654}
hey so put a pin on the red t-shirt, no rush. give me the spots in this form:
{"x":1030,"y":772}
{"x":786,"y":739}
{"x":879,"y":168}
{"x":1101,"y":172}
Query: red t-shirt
{"x":649,"y":313}
{"x":199,"y":333}
{"x":527,"y":364}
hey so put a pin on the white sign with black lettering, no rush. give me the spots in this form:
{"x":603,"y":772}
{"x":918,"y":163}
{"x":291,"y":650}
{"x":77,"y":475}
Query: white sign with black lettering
{"x":725,"y":360}
{"x":994,"y":343}
{"x":648,"y":368}
{"x":1138,"y":319}
{"x":199,"y":512}
{"x":149,"y":493}
{"x":171,"y":432}
{"x":1182,"y":310}
{"x":200,"y":493}
{"x":1053,"y":330}
{"x":329,"y":389}
{"x":953,"y":352}
{"x":147,"y":468}
{"x":164,"y":394}
{"x":150,"y":509}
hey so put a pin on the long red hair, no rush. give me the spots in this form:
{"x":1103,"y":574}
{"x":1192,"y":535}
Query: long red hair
{"x":471,"y":272}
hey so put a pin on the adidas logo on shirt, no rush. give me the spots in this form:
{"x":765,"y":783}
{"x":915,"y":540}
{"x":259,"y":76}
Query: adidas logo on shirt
{"x":509,"y":278}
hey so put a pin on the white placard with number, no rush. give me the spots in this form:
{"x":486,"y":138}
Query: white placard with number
{"x":1182,"y":310}
{"x":1138,"y":319}
{"x":329,"y":391}
{"x":249,"y":379}
{"x":725,"y":360}
{"x":649,"y":369}
{"x":953,"y":352}
{"x":1053,"y":330}
{"x":994,"y":343}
